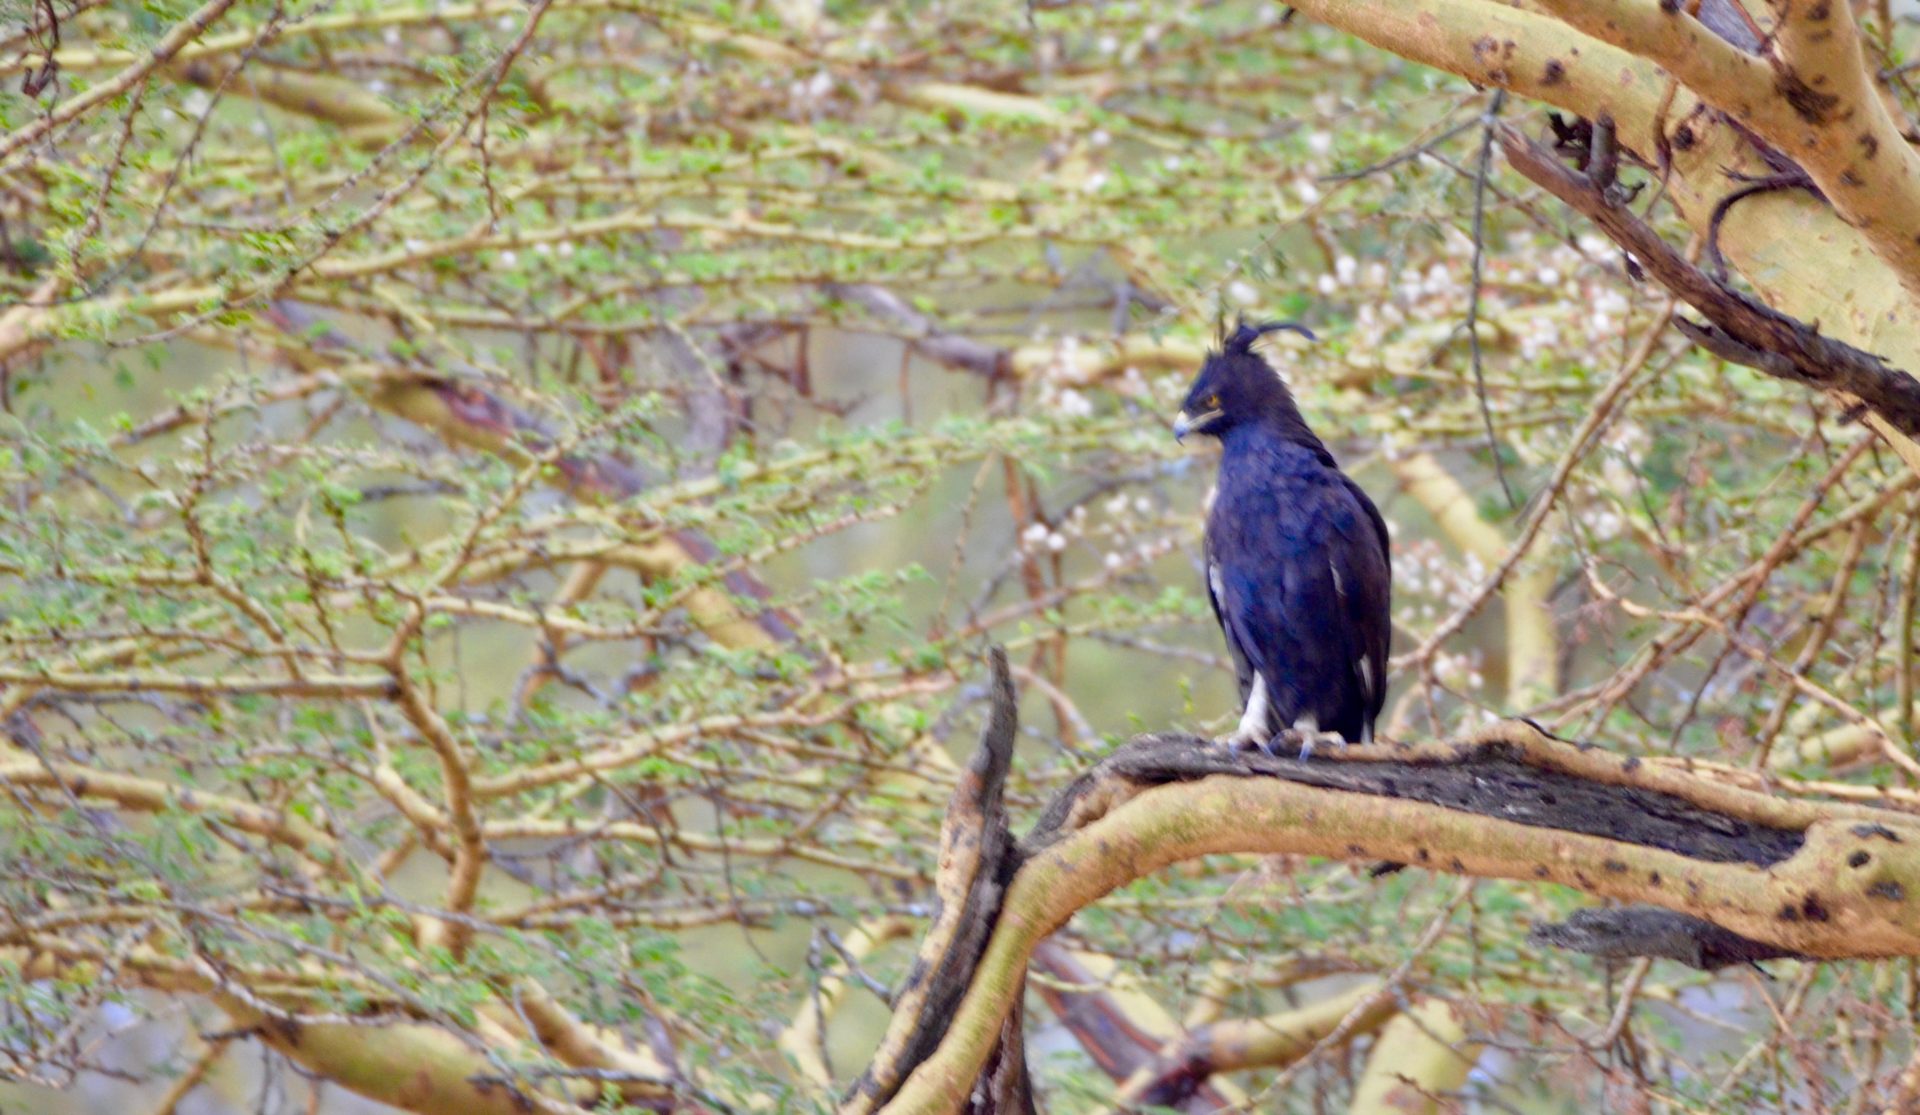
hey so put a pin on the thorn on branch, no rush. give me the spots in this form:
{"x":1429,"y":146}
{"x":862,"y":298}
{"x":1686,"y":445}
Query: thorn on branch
{"x":1794,"y":179}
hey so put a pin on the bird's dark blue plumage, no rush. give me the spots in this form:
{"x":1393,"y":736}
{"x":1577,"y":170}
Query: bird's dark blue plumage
{"x":1297,"y":565}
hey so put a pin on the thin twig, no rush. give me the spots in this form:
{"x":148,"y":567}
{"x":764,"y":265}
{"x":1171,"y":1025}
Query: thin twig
{"x":1488,"y":121}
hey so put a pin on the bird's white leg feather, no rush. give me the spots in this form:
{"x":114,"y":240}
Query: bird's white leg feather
{"x":1252,"y":731}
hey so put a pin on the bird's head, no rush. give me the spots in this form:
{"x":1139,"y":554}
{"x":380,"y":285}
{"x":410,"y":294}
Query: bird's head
{"x":1237,"y":385}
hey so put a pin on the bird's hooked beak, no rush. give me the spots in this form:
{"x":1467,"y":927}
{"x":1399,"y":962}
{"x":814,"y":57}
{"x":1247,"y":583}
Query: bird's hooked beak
{"x":1184,"y":423}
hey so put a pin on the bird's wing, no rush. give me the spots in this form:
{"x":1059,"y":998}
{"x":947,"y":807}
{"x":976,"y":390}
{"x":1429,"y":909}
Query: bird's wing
{"x":1216,"y":593}
{"x":1373,"y":607}
{"x":1306,"y":603}
{"x":1373,"y":515}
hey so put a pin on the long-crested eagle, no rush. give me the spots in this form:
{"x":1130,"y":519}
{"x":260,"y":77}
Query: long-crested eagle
{"x":1297,"y":565}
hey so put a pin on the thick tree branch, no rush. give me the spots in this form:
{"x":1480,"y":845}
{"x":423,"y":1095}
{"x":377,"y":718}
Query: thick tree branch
{"x":1796,"y":250}
{"x":1812,"y":98}
{"x":1419,"y":1057}
{"x":1817,"y":879}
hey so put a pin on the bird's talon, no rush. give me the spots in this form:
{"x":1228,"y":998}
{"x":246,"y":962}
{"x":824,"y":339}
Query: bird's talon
{"x":1309,"y":740}
{"x":1287,"y":742}
{"x":1241,"y":739}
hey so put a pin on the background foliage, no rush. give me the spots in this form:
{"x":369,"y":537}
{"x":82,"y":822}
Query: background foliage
{"x":503,"y":503}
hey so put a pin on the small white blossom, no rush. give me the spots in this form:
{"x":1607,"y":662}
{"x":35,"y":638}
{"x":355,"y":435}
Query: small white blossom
{"x":1242,"y":292}
{"x":1327,"y":284}
{"x":1320,"y":142}
{"x":1100,"y":138}
{"x":1056,"y":542}
{"x":1308,"y":192}
{"x":1035,"y":534}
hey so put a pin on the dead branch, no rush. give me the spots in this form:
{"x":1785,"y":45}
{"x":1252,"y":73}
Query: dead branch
{"x":1634,"y":931}
{"x":976,"y":860}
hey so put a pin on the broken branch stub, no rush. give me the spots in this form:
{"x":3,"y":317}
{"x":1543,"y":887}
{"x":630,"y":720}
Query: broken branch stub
{"x":1628,"y":932}
{"x":976,"y":860}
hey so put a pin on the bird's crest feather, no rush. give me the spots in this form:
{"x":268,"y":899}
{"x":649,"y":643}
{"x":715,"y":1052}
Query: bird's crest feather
{"x":1240,"y":342}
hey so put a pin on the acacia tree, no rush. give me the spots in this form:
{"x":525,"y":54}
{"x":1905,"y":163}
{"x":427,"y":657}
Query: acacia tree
{"x":504,"y":503}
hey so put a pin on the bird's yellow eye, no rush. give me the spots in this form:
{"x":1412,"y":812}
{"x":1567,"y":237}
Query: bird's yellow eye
{"x":1213,"y":401}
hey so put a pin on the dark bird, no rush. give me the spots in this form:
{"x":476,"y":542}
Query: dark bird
{"x":1297,"y":564}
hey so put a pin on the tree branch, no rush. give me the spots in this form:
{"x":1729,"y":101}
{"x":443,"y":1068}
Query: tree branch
{"x":1418,"y":1057}
{"x":1811,"y":97}
{"x":1796,"y":250}
{"x":1631,"y":931}
{"x":976,"y":859}
{"x":461,"y":410}
{"x":1739,"y":328}
{"x":1817,"y":879}
{"x":1181,"y":1071}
